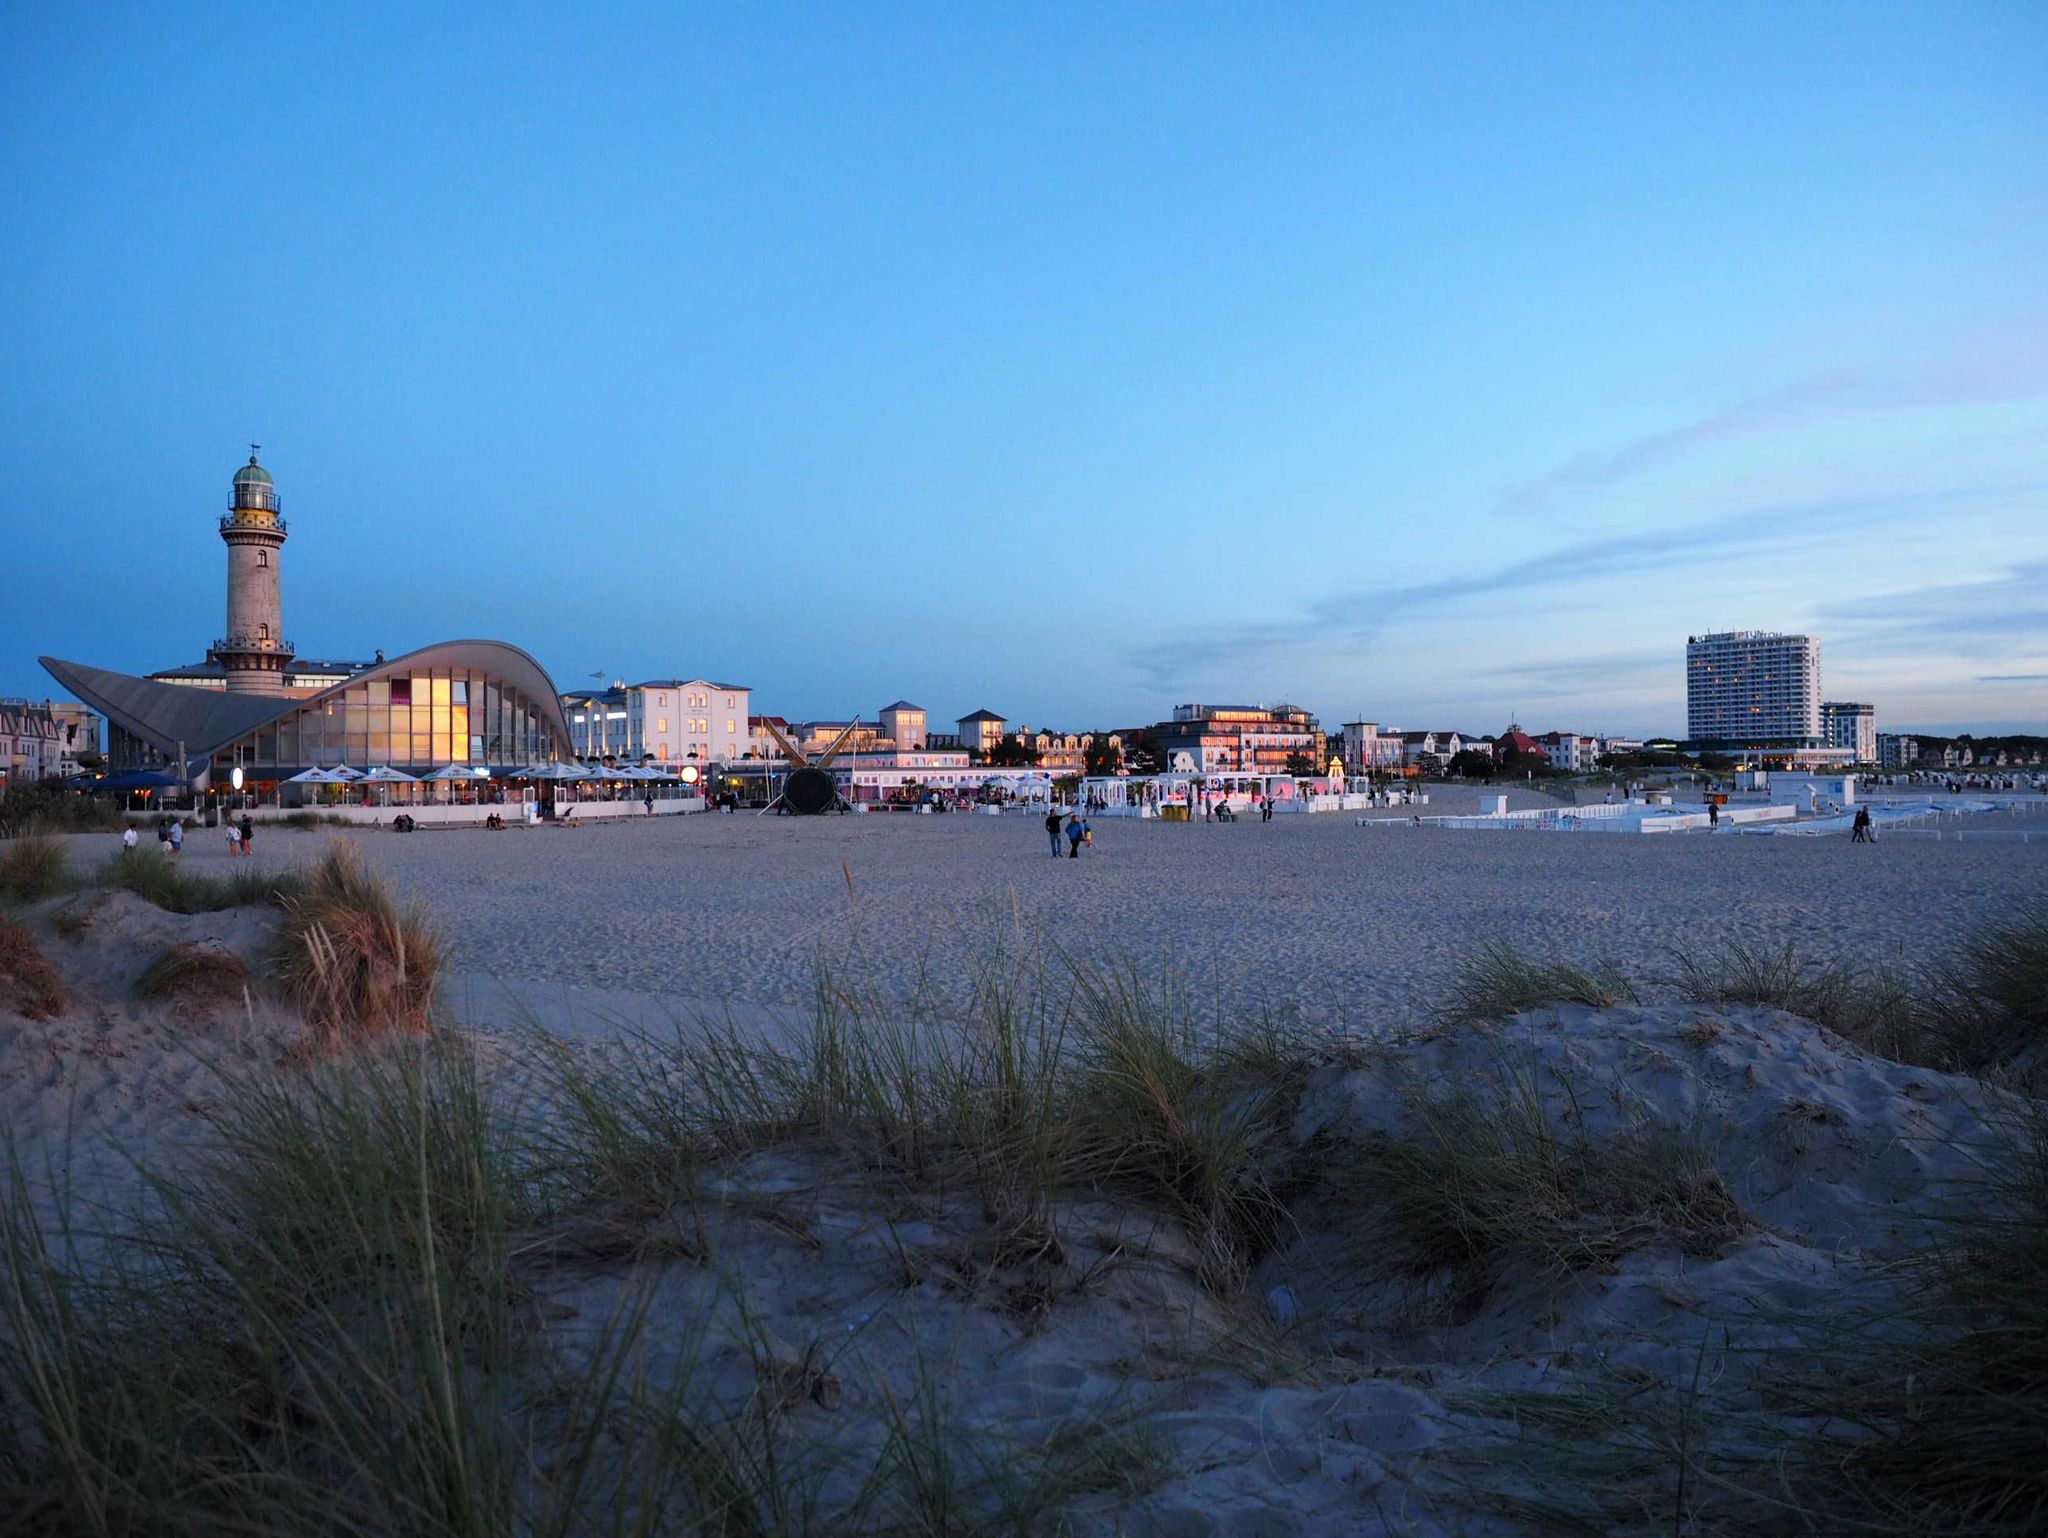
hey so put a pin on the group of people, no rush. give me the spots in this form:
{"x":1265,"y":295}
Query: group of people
{"x":1077,"y":831}
{"x":170,"y":836}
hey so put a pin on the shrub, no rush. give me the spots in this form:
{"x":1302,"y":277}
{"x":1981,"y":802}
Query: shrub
{"x":32,"y":868}
{"x":352,"y":959}
{"x":32,"y":984}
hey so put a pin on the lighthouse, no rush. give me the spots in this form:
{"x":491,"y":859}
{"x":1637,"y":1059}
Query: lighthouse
{"x":253,"y":652}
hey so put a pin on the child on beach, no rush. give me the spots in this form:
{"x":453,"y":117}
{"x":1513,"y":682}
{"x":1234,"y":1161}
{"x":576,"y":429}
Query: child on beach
{"x":234,"y":837}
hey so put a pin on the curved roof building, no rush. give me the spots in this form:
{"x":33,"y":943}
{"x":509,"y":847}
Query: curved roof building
{"x":457,"y":702}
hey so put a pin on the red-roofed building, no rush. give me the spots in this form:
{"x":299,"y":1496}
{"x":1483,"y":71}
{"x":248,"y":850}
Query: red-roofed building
{"x":1515,"y":743}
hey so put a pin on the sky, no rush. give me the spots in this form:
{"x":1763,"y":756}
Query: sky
{"x":1433,"y":365}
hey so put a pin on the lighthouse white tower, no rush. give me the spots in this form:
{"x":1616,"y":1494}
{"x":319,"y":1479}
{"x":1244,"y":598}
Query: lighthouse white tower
{"x":253,"y":651}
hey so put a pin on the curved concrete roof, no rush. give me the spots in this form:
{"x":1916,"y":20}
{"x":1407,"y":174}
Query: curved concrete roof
{"x":205,"y":720}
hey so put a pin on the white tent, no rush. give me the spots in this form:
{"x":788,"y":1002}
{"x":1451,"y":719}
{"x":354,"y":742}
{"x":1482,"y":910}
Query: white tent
{"x":458,"y":772}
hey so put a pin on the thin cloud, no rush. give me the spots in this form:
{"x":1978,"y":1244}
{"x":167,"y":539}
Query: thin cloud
{"x":2011,"y":678}
{"x":1355,"y":619}
{"x":2009,"y":363}
{"x":2012,"y":607}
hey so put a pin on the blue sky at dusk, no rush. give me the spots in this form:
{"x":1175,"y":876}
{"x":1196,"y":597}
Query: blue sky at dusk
{"x":1429,"y":363}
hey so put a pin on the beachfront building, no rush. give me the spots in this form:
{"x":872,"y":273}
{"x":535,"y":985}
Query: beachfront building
{"x":664,"y":720}
{"x":1896,"y":750}
{"x":1248,"y":739}
{"x":1753,"y":691}
{"x":903,"y":724}
{"x":981,"y":731}
{"x":31,"y":742}
{"x":1366,"y":749}
{"x":1514,"y":743}
{"x":1850,"y":727}
{"x":1440,"y":745}
{"x":459,"y":702}
{"x":1569,"y":751}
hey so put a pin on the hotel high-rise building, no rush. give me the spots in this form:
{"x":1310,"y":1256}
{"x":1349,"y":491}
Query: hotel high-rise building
{"x":1753,"y":689}
{"x":1851,"y":727}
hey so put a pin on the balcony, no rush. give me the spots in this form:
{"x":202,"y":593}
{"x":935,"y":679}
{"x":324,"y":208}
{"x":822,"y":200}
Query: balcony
{"x":248,"y":520}
{"x":241,"y":645}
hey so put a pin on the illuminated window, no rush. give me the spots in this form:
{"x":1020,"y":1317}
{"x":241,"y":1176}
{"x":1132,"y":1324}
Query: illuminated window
{"x":661,"y":725}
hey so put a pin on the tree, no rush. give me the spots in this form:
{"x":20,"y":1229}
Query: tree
{"x":1013,"y":753}
{"x":1429,"y":763}
{"x":1300,"y":763}
{"x":1102,"y":757}
{"x":1473,"y":765}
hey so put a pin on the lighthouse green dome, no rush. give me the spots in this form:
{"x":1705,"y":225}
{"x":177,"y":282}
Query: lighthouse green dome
{"x":252,"y":474}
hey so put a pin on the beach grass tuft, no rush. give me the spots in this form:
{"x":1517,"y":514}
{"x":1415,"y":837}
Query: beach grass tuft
{"x":1484,"y":1189}
{"x":33,"y":867}
{"x":32,"y":985}
{"x":194,"y":973}
{"x":176,"y":890}
{"x":1500,"y":980}
{"x":353,"y":960}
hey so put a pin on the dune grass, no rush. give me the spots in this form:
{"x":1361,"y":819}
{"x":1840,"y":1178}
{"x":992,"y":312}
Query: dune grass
{"x":1500,"y":980}
{"x":175,"y":889}
{"x":1485,"y":1188}
{"x":33,"y":867}
{"x":28,"y":982}
{"x":352,"y":959}
{"x":1985,"y":1011}
{"x":193,"y":973}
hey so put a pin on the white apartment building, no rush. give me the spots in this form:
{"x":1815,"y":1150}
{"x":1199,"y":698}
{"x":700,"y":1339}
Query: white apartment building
{"x":1753,"y":689}
{"x":904,"y":724}
{"x":1851,"y":727}
{"x":1443,"y":745}
{"x":1367,"y":748}
{"x":1570,"y":751}
{"x":670,"y":720}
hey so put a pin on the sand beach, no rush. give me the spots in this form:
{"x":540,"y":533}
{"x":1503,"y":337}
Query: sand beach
{"x":1682,"y":1186}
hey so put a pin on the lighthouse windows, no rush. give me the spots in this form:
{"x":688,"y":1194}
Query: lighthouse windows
{"x":263,"y":558}
{"x":262,"y":632}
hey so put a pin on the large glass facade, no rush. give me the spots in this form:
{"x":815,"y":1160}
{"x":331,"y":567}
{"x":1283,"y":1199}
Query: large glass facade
{"x":416,"y":721}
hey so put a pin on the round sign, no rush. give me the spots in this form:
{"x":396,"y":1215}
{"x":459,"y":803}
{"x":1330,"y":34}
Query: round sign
{"x":689,"y":774}
{"x":235,"y":777}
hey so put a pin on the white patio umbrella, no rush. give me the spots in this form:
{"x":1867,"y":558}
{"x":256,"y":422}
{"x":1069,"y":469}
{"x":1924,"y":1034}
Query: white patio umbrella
{"x":317,"y":777}
{"x":552,"y":772}
{"x":458,"y":772}
{"x":384,"y":774}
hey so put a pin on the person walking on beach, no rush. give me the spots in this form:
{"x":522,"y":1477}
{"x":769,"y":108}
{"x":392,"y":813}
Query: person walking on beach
{"x":248,"y":832}
{"x":163,"y":837}
{"x":1052,"y":830}
{"x":234,"y":837}
{"x":1713,"y":815}
{"x":1859,"y":830}
{"x":1266,"y":808}
{"x":128,"y":838}
{"x":177,"y":837}
{"x":1076,"y":831}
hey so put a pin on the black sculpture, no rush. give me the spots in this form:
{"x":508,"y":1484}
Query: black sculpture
{"x":810,"y":790}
